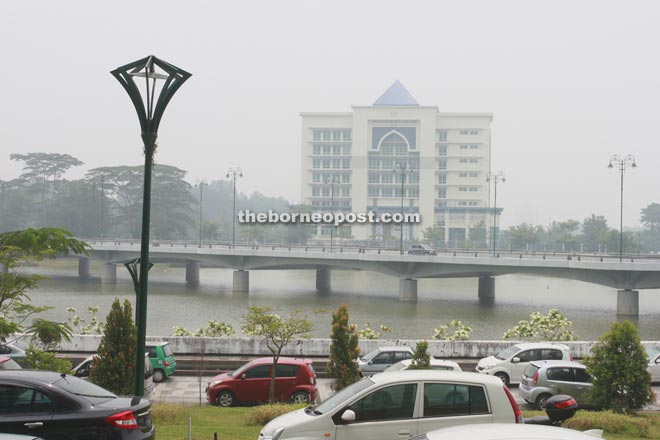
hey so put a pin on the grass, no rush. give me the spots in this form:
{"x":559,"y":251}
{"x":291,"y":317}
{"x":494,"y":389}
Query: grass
{"x":244,"y":423}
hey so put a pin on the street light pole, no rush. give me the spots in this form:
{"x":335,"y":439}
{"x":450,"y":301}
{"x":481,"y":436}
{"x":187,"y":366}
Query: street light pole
{"x":201,"y":209}
{"x":495,"y":178}
{"x":102,"y":206}
{"x":622,"y":163}
{"x":234,"y":173}
{"x":402,"y":168}
{"x":150,"y":114}
{"x":332,"y":179}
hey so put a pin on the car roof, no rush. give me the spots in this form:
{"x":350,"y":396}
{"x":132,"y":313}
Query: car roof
{"x":511,"y":431}
{"x":459,"y":376}
{"x":156,"y":344}
{"x":41,"y":376}
{"x":281,"y":360}
{"x":558,"y":363}
{"x":433,"y":361}
{"x":395,"y":348}
{"x":527,"y":345}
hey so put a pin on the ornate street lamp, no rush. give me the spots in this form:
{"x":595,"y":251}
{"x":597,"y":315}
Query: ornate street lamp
{"x":201,"y":184}
{"x":495,"y":178}
{"x":234,"y":173}
{"x":622,"y":163}
{"x":402,"y":168}
{"x":150,"y":109}
{"x":332,"y":179}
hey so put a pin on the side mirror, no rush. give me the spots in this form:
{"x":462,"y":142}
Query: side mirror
{"x":370,"y":363}
{"x":657,"y":361}
{"x":348,"y":416}
{"x":515,"y":360}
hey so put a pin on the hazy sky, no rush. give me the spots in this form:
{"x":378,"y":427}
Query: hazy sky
{"x":569,"y":83}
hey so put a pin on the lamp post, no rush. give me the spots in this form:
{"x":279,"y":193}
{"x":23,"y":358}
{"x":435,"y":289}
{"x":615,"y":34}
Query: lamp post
{"x":102,"y":206}
{"x":331,"y":179}
{"x":234,"y":173}
{"x":622,"y":163}
{"x":202,"y":184}
{"x":150,"y":109}
{"x":495,"y":178}
{"x":402,"y":168}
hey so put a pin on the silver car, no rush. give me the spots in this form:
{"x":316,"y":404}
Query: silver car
{"x":382,"y":357}
{"x":654,"y":363}
{"x":544,"y":379}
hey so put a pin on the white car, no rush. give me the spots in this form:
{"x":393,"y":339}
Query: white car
{"x":654,"y":363}
{"x":499,"y":431}
{"x":510,"y":364}
{"x":401,"y":404}
{"x":379,"y":359}
{"x":436,"y":364}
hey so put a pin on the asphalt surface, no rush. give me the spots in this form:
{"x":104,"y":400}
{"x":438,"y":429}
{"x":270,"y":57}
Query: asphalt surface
{"x":188,"y":390}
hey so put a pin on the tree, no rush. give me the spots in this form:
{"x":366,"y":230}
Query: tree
{"x":114,"y":367}
{"x":651,"y":216}
{"x":454,"y":330}
{"x":16,"y":249}
{"x":617,"y":366}
{"x":595,"y":234}
{"x":551,"y":327}
{"x":277,"y":331}
{"x":344,"y":350}
{"x":519,"y":237}
{"x":434,"y":235}
{"x":421,"y":359}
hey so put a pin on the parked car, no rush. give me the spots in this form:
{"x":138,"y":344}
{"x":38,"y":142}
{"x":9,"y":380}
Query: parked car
{"x":544,"y":379}
{"x":421,"y":249}
{"x":503,"y":431}
{"x":379,"y":359}
{"x":654,"y":363}
{"x":18,"y":437}
{"x":83,"y":369}
{"x":59,"y":406}
{"x":295,"y":381}
{"x":15,"y":353}
{"x":162,"y":359}
{"x":7,"y":363}
{"x":400,"y":405}
{"x":436,"y":364}
{"x":510,"y":364}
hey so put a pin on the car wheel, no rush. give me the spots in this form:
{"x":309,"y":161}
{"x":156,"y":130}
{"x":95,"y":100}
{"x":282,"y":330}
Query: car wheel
{"x":159,"y":376}
{"x":503,"y":377}
{"x":540,"y":401}
{"x":300,"y":397}
{"x":225,"y":398}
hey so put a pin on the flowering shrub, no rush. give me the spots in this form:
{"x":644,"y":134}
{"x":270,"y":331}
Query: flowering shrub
{"x":551,"y":327}
{"x":453,"y":331}
{"x":213,"y":329}
{"x":368,"y":333}
{"x":81,"y":326}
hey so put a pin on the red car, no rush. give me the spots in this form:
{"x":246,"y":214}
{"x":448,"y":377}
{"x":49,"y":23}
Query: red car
{"x":295,"y":382}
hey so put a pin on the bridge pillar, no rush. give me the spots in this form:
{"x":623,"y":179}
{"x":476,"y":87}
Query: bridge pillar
{"x":192,"y":273}
{"x":627,"y":302}
{"x":487,"y":289}
{"x":241,"y":281}
{"x":407,"y":290}
{"x":84,"y":268}
{"x":323,"y":281}
{"x":108,"y":273}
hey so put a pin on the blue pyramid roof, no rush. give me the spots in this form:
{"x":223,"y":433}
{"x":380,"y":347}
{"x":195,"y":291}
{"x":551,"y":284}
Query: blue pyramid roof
{"x":396,"y":95}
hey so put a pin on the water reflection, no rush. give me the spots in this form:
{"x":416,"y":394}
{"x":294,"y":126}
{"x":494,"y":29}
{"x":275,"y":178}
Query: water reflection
{"x":371,"y":298}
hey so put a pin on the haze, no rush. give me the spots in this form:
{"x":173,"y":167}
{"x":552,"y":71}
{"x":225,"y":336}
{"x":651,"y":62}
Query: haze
{"x":569,"y":84}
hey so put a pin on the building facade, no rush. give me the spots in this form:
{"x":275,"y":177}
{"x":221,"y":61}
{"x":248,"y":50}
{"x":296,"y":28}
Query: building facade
{"x":395,"y":156}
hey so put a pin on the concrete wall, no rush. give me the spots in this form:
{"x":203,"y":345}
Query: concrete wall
{"x":319,"y":347}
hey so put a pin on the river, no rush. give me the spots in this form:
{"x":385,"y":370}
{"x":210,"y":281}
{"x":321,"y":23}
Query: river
{"x":371,"y":297}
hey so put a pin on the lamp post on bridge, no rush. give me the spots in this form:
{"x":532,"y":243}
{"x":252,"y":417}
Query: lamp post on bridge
{"x":150,"y":109}
{"x":234,"y":173}
{"x":402,"y":168}
{"x":495,"y":178}
{"x":201,"y":185}
{"x":622,"y":163}
{"x":332,"y":179}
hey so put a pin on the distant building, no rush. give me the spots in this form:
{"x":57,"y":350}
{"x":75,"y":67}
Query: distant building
{"x":351,"y":162}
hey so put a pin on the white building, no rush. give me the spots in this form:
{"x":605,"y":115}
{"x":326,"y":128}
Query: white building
{"x":351,"y":162}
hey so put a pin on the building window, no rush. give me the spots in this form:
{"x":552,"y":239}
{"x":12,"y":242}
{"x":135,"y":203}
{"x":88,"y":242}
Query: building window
{"x":315,"y":192}
{"x":387,"y":178}
{"x":326,"y":135}
{"x":336,"y":150}
{"x":441,"y":135}
{"x":326,"y":163}
{"x":345,"y":178}
{"x":387,"y":164}
{"x":442,"y":164}
{"x":346,"y":134}
{"x":463,"y":160}
{"x":374,"y":178}
{"x":462,"y":174}
{"x":346,"y":163}
{"x":474,"y":146}
{"x":442,"y":193}
{"x":474,"y":174}
{"x":474,"y":160}
{"x":462,"y":203}
{"x":346,"y":149}
{"x":374,"y":192}
{"x":413,"y":178}
{"x":387,"y":192}
{"x":463,"y":147}
{"x":473,"y":203}
{"x":413,"y":192}
{"x":316,"y":178}
{"x":374,"y":164}
{"x":474,"y":132}
{"x":474,"y":189}
{"x":462,"y":188}
{"x":326,"y":192}
{"x":316,"y":149}
{"x":442,"y":179}
{"x":346,"y":192}
{"x":464,"y":132}
{"x":442,"y":150}
{"x":326,"y":149}
{"x":316,"y":163}
{"x":317,"y":135}
{"x":336,"y":164}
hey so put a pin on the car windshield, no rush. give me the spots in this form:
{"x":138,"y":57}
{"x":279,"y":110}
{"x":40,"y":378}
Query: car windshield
{"x":240,"y":369}
{"x":401,"y":365}
{"x":341,"y":396}
{"x":167,"y":351}
{"x":506,"y":354}
{"x":531,"y":370}
{"x":652,"y":352}
{"x":81,"y":387}
{"x":9,"y":364}
{"x":370,"y":355}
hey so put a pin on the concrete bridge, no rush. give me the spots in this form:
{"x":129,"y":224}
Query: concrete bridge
{"x":628,"y":275}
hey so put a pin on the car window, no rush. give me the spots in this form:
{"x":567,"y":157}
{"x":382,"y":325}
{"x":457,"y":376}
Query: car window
{"x":286,"y":370}
{"x":83,"y":371}
{"x":565,"y":374}
{"x":506,"y":354}
{"x":152,"y":352}
{"x":581,"y":375}
{"x":551,"y":354}
{"x":383,"y":358}
{"x":531,"y":370}
{"x":401,"y":355}
{"x":445,"y":399}
{"x":392,"y":402}
{"x":17,"y":399}
{"x":342,"y":395}
{"x":4,"y":349}
{"x":258,"y":372}
{"x":167,"y":351}
{"x":529,"y":355}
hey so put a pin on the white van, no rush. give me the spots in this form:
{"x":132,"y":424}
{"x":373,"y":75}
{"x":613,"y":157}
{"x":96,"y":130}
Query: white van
{"x":399,"y":405}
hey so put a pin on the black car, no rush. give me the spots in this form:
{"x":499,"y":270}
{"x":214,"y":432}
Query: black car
{"x":57,"y":406}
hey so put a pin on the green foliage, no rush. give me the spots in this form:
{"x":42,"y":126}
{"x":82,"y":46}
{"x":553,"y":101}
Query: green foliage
{"x":454,"y":330}
{"x":551,"y":327}
{"x":81,"y":326}
{"x":213,"y":329}
{"x":368,"y":333}
{"x":612,"y":423}
{"x":344,"y":350}
{"x":276,"y":330}
{"x":421,"y":359}
{"x":617,"y":366}
{"x":263,"y":414}
{"x":45,"y":360}
{"x":114,"y":368}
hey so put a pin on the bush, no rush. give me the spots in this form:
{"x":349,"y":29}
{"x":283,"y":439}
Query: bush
{"x":421,"y":359}
{"x":453,"y":331}
{"x":617,"y":366}
{"x":610,"y":423}
{"x":344,"y":350}
{"x":263,"y":414}
{"x":45,"y":360}
{"x":551,"y":327}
